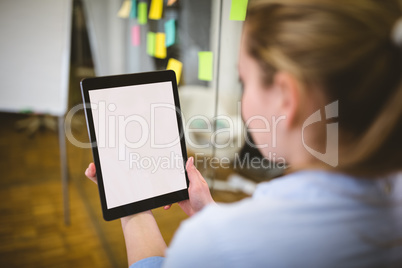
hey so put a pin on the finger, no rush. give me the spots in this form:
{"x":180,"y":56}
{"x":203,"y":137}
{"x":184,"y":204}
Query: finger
{"x":167,"y":207}
{"x":90,"y":172}
{"x":191,"y":170}
{"x":89,"y":175}
{"x":194,"y":175}
{"x":94,"y":179}
{"x":190,"y":162}
{"x":92,"y":169}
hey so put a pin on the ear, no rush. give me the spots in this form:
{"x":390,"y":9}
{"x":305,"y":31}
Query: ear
{"x":289,"y":90}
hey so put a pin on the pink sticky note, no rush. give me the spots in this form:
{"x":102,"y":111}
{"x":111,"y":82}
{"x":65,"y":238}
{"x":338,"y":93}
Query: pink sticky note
{"x":135,"y":36}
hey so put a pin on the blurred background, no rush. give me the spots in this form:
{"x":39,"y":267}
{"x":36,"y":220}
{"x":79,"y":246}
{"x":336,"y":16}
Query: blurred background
{"x":50,"y":214}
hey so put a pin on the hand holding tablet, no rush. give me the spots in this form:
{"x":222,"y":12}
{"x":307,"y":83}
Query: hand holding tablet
{"x":134,"y":124}
{"x":199,"y":194}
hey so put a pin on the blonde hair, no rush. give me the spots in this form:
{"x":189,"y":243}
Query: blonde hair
{"x":345,"y":48}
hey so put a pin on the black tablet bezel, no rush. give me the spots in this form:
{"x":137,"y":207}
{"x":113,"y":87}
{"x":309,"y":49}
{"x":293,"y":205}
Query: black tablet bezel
{"x":104,"y":82}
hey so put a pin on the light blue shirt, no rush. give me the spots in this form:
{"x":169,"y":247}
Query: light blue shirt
{"x":305,"y":219}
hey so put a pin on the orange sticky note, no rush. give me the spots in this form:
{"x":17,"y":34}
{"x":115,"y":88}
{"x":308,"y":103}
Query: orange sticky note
{"x":176,"y":66}
{"x":171,"y":2}
{"x":160,"y":46}
{"x":155,"y":11}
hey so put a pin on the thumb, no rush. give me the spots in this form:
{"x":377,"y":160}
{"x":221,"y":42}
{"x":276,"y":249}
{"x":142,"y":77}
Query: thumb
{"x":194,"y":176}
{"x":191,"y":170}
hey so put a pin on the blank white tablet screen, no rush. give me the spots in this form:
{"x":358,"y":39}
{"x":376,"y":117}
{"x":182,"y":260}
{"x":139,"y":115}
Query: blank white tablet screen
{"x":138,"y":142}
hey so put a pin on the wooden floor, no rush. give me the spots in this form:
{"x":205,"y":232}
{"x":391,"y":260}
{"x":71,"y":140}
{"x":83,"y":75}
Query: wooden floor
{"x":32,"y":231}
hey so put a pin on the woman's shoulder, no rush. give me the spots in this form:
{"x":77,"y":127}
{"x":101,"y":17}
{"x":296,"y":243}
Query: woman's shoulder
{"x":298,"y":213}
{"x":313,"y":185}
{"x":307,"y":194}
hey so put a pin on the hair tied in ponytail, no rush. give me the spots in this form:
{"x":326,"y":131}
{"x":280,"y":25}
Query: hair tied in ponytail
{"x":396,"y":34}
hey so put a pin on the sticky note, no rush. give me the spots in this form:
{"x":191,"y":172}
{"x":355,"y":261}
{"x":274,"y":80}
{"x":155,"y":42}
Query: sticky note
{"x":238,"y":9}
{"x":151,"y":43}
{"x":155,"y":11}
{"x":160,"y":46}
{"x":26,"y":111}
{"x":125,"y":9}
{"x":135,"y":36}
{"x":170,"y":31}
{"x":133,"y":12}
{"x":171,"y":2}
{"x":176,"y":66}
{"x":205,"y":65}
{"x":142,"y":13}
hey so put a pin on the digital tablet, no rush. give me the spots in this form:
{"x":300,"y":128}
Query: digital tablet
{"x":136,"y":131}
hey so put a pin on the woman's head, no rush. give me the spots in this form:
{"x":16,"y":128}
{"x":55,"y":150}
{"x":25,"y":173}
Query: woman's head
{"x":315,"y":52}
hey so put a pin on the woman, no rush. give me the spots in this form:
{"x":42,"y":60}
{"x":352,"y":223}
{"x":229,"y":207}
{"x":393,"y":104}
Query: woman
{"x":341,"y":209}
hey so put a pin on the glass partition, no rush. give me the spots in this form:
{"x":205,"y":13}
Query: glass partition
{"x":211,"y":109}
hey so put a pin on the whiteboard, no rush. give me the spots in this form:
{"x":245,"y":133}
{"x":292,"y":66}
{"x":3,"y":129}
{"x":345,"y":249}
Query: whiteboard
{"x":35,"y":37}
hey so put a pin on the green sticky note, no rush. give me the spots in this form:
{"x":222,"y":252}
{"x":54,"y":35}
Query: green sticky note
{"x":26,"y":111}
{"x":238,"y":9}
{"x":133,"y":12}
{"x":151,"y":39}
{"x":205,"y":65}
{"x":142,"y":13}
{"x":170,"y":30}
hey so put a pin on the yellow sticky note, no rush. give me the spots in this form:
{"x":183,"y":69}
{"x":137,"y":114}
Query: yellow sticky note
{"x":160,"y":45}
{"x":155,"y":11}
{"x":176,"y":66}
{"x":125,"y":10}
{"x":205,"y":65}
